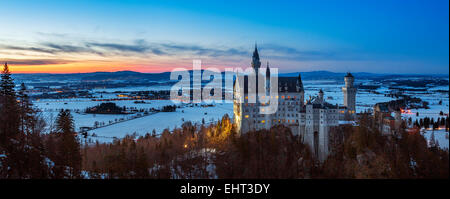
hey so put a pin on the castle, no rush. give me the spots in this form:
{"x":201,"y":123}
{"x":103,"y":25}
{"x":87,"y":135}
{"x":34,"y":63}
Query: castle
{"x":311,"y":120}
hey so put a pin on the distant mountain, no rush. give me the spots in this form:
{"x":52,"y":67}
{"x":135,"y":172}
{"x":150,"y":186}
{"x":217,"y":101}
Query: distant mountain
{"x":165,"y":76}
{"x":95,"y":76}
{"x":317,"y":75}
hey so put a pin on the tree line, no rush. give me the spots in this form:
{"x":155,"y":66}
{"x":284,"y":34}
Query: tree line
{"x":427,"y":123}
{"x":26,"y":152}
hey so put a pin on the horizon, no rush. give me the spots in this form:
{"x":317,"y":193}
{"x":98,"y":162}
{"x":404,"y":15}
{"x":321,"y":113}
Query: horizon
{"x":401,"y":37}
{"x":401,"y":74}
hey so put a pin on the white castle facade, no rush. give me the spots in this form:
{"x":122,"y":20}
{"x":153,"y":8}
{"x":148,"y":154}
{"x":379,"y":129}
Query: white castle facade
{"x":311,"y":120}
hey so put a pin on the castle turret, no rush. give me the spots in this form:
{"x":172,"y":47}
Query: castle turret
{"x":256,"y":64}
{"x":321,"y":96}
{"x":300,"y":89}
{"x":349,"y":93}
{"x":267,"y":79}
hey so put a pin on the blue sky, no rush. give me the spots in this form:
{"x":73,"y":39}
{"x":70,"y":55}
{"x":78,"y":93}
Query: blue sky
{"x":152,"y":36}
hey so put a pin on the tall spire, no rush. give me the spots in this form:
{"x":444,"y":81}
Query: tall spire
{"x":255,"y":59}
{"x":267,"y":70}
{"x":299,"y":82}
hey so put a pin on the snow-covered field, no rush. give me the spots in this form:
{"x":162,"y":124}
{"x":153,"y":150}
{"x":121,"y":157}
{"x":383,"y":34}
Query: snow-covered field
{"x":440,"y":136}
{"x":127,"y":124}
{"x":333,"y":94}
{"x":165,"y":120}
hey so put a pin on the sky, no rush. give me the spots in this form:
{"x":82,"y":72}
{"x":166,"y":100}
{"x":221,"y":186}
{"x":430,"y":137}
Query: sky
{"x":378,"y":36}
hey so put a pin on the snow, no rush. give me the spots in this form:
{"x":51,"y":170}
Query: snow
{"x":51,"y":109}
{"x":439,"y":135}
{"x":164,"y":120}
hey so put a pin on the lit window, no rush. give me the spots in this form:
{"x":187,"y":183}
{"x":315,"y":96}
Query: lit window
{"x":263,"y":121}
{"x":282,"y":97}
{"x":246,"y":116}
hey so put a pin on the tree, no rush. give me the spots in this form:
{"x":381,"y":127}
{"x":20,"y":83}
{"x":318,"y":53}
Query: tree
{"x":68,"y":162}
{"x":7,"y":82}
{"x":8,"y":110}
{"x":31,"y":126}
{"x":432,"y":140}
{"x":11,"y":141}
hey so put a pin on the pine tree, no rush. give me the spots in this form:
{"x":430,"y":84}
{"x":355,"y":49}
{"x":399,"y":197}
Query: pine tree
{"x":7,"y":82}
{"x":8,"y":109}
{"x":68,"y":152}
{"x":432,"y":140}
{"x":11,"y":142}
{"x":30,"y":128}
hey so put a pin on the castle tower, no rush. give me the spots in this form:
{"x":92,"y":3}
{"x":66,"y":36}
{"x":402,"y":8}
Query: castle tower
{"x":349,"y":93}
{"x":300,"y":89}
{"x":267,"y":79}
{"x":256,"y":64}
{"x":321,"y":95}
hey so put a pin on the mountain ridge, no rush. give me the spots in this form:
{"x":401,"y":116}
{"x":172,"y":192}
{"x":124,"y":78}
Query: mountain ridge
{"x":165,"y":76}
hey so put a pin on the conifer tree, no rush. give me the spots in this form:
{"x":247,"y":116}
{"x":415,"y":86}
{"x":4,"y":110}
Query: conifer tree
{"x":68,"y":151}
{"x":7,"y":82}
{"x":8,"y":109}
{"x":10,"y":139}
